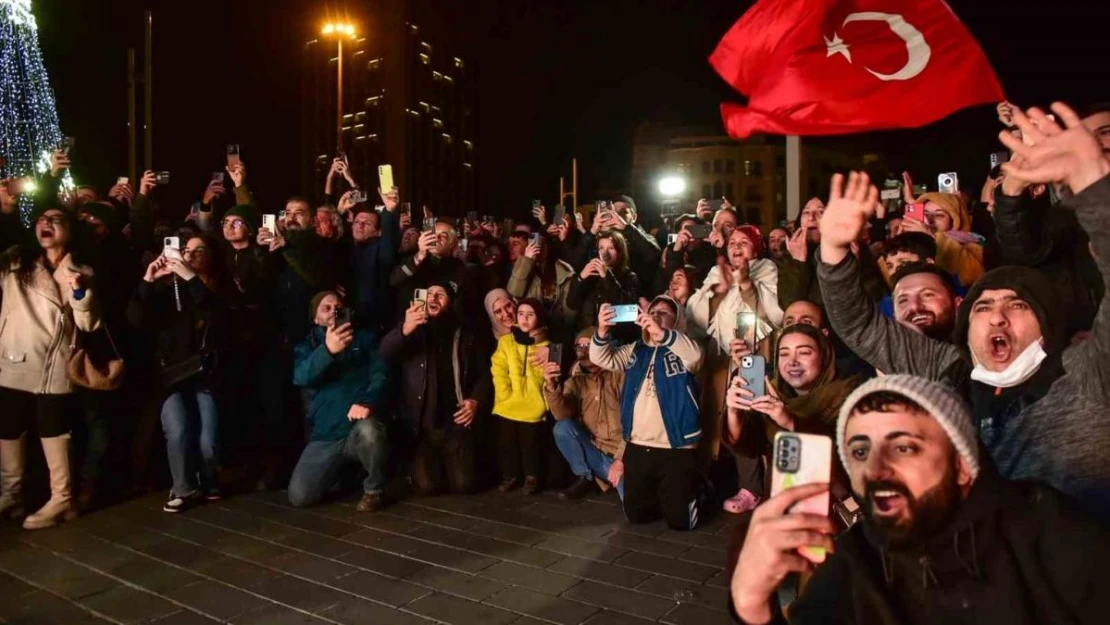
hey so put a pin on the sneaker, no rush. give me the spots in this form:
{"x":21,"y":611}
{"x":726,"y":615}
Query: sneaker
{"x":744,"y":501}
{"x":531,"y":485}
{"x":370,"y":502}
{"x":581,"y":487}
{"x":507,"y":485}
{"x":177,"y":504}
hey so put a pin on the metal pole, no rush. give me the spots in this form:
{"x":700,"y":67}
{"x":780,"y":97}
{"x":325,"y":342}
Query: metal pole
{"x":339,"y":98}
{"x":574,"y":181}
{"x":562,"y":191}
{"x":148,"y":94}
{"x":132,"y":156}
{"x":793,"y":177}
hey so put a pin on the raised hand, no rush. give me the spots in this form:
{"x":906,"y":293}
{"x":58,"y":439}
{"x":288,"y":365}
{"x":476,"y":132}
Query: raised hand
{"x":796,"y":245}
{"x":1073,"y":155}
{"x":415,"y":316}
{"x":605,"y":316}
{"x":238,"y":173}
{"x":212,"y":192}
{"x":1005,"y":113}
{"x":336,"y":339}
{"x":771,"y":550}
{"x":391,"y":199}
{"x":147,"y":183}
{"x":849,"y":208}
{"x":532,"y":251}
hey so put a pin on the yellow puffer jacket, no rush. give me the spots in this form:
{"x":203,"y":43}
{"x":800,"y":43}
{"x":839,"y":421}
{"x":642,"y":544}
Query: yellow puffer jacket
{"x":517,"y":384}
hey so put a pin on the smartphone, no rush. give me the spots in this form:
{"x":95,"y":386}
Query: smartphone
{"x":162,"y":177}
{"x":171,"y":248}
{"x":700,"y":231}
{"x":342,"y":317}
{"x":560,"y":216}
{"x":123,"y":180}
{"x":948,"y":183}
{"x":754,"y":371}
{"x":536,"y":204}
{"x":217,"y":177}
{"x":429,"y":224}
{"x":472,"y":216}
{"x":406,"y":208}
{"x":801,"y":459}
{"x":601,"y":207}
{"x":385,"y":177}
{"x":281,"y":215}
{"x":671,"y":238}
{"x":341,"y":155}
{"x":915,"y":211}
{"x":998,"y":158}
{"x":534,"y":238}
{"x":555,"y":353}
{"x":67,"y":144}
{"x":464,"y":245}
{"x":232,"y":154}
{"x":421,"y":295}
{"x":890,"y":194}
{"x":487,"y":219}
{"x":715,"y":205}
{"x":358,"y":196}
{"x":626,"y":313}
{"x":269,"y":222}
{"x":745,"y":328}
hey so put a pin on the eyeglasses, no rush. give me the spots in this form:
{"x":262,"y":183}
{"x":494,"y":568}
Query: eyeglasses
{"x":234,"y":223}
{"x":53,"y":221}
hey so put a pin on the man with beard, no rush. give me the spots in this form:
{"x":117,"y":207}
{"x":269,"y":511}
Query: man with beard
{"x":435,"y":260}
{"x":943,"y":539}
{"x":1042,"y":408}
{"x":372,"y":249}
{"x":446,"y":383}
{"x":587,"y":409}
{"x":925,"y":300}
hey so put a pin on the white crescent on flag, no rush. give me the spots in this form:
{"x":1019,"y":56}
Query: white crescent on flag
{"x":917,"y":48}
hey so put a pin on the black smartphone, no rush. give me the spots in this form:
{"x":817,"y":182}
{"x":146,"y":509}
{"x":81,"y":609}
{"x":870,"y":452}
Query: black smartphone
{"x":67,"y":144}
{"x":715,"y":205}
{"x":472,"y":216}
{"x":536,"y":204}
{"x":342,"y":317}
{"x":700,"y":231}
{"x":560,"y":216}
{"x":162,"y":177}
{"x":555,"y":353}
{"x":232,"y":154}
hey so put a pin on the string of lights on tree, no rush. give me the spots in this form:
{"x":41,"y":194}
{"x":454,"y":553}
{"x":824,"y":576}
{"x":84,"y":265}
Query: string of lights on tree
{"x":29,"y":129}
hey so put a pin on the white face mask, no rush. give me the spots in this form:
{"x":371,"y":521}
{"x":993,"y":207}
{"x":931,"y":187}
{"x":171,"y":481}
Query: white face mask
{"x":1021,"y":369}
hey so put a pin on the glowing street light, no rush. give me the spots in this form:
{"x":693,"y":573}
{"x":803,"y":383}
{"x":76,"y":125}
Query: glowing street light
{"x":672,"y":186}
{"x":341,"y":31}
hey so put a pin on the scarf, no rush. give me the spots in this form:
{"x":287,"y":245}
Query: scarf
{"x":764,"y":275}
{"x":821,"y":405}
{"x":492,"y":298}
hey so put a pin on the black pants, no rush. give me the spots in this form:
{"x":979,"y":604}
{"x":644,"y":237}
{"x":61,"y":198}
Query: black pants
{"x":51,"y":414}
{"x":518,"y":447}
{"x":444,"y":452}
{"x":662,"y":480}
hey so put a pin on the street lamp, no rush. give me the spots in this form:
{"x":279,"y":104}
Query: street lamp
{"x":341,"y":31}
{"x":672,"y":186}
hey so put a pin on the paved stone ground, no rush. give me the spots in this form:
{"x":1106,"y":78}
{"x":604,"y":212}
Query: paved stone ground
{"x":489,"y":559}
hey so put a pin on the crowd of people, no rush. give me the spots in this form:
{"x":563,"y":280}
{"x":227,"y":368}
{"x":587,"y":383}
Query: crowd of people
{"x":952,"y":348}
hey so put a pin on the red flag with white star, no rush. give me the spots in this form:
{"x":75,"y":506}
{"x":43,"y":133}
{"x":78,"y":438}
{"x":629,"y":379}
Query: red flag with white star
{"x":826,"y":67}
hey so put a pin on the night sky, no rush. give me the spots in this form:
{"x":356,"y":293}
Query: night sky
{"x":557,"y":78}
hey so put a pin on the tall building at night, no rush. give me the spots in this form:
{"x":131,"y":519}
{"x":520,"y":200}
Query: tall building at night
{"x":408,"y":100}
{"x":751,"y":173}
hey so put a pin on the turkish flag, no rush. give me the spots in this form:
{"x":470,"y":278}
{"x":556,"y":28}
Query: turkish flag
{"x":826,"y":67}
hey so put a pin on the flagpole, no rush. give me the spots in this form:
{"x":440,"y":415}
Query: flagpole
{"x":793,"y":176}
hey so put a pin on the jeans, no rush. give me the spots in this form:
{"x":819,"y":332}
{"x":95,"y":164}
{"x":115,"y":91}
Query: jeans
{"x":576,"y":444}
{"x":321,"y":462}
{"x":444,"y":452}
{"x":191,"y":424}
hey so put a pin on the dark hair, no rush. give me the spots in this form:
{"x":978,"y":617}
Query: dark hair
{"x":1095,"y":109}
{"x":301,"y":200}
{"x":694,"y":276}
{"x":883,"y":401}
{"x":916,"y":268}
{"x":918,"y":243}
{"x":619,"y":242}
{"x":25,"y":256}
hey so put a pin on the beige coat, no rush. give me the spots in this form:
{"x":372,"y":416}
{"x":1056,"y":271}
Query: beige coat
{"x":38,"y":326}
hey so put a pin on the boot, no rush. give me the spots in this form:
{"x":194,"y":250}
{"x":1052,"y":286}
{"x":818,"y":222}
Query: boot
{"x":60,"y":507}
{"x":11,"y":478}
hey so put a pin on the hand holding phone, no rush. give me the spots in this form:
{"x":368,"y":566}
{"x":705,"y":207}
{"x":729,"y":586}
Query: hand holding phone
{"x":801,"y":459}
{"x":915,"y":211}
{"x":626,"y":313}
{"x":233,"y":155}
{"x":754,"y":371}
{"x":385,"y":177}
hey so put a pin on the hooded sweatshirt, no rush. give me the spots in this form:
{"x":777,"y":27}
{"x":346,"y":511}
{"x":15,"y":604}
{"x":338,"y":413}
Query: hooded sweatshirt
{"x":959,"y":251}
{"x":1055,"y":426}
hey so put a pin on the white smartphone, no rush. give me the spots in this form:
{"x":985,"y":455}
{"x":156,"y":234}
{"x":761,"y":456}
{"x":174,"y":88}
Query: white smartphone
{"x":421,"y":295}
{"x":801,"y":459}
{"x":123,"y":180}
{"x":171,"y":248}
{"x":269,"y":222}
{"x":948,"y":183}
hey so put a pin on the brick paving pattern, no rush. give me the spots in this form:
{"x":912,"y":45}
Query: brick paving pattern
{"x":489,"y":559}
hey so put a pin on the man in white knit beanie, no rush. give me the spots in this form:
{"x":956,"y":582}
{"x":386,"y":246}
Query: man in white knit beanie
{"x":944,"y":539}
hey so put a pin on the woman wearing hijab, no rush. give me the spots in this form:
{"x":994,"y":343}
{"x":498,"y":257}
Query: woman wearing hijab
{"x":804,"y":395}
{"x":501,"y":308}
{"x":959,"y":251}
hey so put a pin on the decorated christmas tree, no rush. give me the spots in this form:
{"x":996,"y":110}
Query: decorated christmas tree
{"x":28,"y":120}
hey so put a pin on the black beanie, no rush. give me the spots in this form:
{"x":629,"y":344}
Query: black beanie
{"x":1033,"y":288}
{"x":102,"y":211}
{"x":444,"y":283}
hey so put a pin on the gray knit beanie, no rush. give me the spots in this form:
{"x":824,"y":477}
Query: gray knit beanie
{"x":941,"y":402}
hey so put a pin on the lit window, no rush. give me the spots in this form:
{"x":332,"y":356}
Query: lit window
{"x":448,"y":79}
{"x":447,"y":139}
{"x":423,"y":105}
{"x":425,"y":59}
{"x":373,"y":101}
{"x":437,"y":123}
{"x":426,"y":47}
{"x":437,"y":76}
{"x":468,"y":144}
{"x":458,"y":62}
